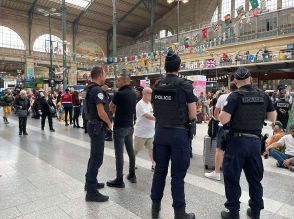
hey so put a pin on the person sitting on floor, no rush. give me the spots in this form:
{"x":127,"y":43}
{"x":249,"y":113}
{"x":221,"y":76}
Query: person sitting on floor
{"x":278,"y":133}
{"x":286,"y":159}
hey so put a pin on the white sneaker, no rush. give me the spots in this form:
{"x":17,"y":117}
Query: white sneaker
{"x":213,"y":175}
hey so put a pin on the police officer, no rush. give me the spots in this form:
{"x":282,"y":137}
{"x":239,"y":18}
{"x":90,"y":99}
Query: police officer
{"x":174,"y":106}
{"x":108,"y":98}
{"x":244,"y":111}
{"x":97,"y":121}
{"x":283,"y":108}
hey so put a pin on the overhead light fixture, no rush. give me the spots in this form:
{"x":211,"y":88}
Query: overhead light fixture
{"x":170,"y":1}
{"x":185,"y":1}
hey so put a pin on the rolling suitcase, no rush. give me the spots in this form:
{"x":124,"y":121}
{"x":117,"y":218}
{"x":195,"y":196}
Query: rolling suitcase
{"x":209,"y":152}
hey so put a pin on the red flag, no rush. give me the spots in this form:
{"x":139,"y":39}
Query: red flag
{"x":205,"y":34}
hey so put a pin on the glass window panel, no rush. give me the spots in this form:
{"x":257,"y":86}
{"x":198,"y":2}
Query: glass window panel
{"x":271,"y":5}
{"x":215,"y":15}
{"x":226,"y":8}
{"x":287,"y":3}
{"x":79,"y":3}
{"x":10,"y":39}
{"x":42,"y":44}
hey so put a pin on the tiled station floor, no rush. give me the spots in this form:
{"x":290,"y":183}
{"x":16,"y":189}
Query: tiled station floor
{"x":42,"y":176}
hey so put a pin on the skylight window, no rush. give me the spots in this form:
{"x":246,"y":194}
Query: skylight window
{"x":79,"y":3}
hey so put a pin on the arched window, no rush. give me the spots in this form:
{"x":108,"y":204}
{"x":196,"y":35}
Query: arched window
{"x":214,"y":16}
{"x":10,"y":39}
{"x":287,"y":3}
{"x":42,"y":44}
{"x":164,"y":33}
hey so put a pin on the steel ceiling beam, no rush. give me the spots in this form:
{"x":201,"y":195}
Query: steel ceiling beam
{"x":30,"y":23}
{"x":84,"y":11}
{"x":130,"y":11}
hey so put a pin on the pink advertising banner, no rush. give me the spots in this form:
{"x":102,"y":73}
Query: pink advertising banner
{"x":199,"y":84}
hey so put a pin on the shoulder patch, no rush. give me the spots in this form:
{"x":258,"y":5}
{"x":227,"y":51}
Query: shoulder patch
{"x":100,"y":96}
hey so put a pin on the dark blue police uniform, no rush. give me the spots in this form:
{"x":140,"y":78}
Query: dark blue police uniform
{"x":171,"y":141}
{"x":283,"y":108}
{"x":96,"y":131}
{"x":248,"y":108}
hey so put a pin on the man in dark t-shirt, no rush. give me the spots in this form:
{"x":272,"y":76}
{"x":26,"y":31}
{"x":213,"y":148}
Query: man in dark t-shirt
{"x":123,"y":106}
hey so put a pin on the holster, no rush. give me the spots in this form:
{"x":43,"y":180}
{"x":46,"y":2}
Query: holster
{"x":226,"y":139}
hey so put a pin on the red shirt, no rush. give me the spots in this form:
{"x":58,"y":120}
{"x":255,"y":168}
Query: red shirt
{"x":66,"y":98}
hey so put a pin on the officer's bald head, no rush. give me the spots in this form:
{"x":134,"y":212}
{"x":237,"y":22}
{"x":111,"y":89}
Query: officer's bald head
{"x":123,"y":80}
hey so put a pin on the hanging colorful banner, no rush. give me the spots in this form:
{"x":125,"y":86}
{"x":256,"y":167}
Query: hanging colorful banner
{"x":254,"y":4}
{"x":240,"y":11}
{"x":215,"y":27}
{"x":210,"y":63}
{"x":205,"y":34}
{"x":186,"y":43}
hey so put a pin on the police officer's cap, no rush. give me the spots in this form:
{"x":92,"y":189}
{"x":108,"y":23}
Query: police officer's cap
{"x":172,"y":61}
{"x":242,"y":73}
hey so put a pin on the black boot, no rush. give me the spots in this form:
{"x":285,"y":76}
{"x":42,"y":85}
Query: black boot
{"x":229,"y":215}
{"x":252,"y":215}
{"x":20,"y":133}
{"x":117,"y":183}
{"x":95,"y":196}
{"x":156,"y":206}
{"x":180,"y":213}
{"x":132,"y":177}
{"x":98,"y":186}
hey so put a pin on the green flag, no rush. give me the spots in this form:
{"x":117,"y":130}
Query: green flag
{"x":291,"y":116}
{"x":254,"y":4}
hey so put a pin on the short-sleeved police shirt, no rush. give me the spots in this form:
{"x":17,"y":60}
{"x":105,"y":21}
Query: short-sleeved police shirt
{"x":186,"y":93}
{"x":231,"y":104}
{"x":95,"y":97}
{"x":125,"y":102}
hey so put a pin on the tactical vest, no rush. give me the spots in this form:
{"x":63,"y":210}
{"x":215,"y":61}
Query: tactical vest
{"x":283,"y":107}
{"x":250,"y":112}
{"x":87,"y":108}
{"x":168,"y":111}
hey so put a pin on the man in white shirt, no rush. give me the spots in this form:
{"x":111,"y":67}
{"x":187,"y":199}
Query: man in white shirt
{"x":219,"y":152}
{"x":286,"y":159}
{"x":145,"y":125}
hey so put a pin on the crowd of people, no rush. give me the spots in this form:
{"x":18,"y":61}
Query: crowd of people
{"x":128,"y":119}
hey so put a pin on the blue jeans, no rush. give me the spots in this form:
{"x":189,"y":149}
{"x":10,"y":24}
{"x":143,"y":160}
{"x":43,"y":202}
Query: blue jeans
{"x":280,"y":157}
{"x":123,"y":136}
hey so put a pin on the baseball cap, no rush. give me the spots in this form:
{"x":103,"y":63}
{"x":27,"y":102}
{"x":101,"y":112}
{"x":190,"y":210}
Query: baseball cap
{"x":242,"y":73}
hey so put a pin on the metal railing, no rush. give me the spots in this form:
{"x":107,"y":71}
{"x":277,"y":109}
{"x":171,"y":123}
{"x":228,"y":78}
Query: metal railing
{"x":268,"y":57}
{"x":277,"y":23}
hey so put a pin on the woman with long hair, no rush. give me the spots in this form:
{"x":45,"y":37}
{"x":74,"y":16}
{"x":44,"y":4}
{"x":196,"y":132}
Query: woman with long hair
{"x":76,"y":103}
